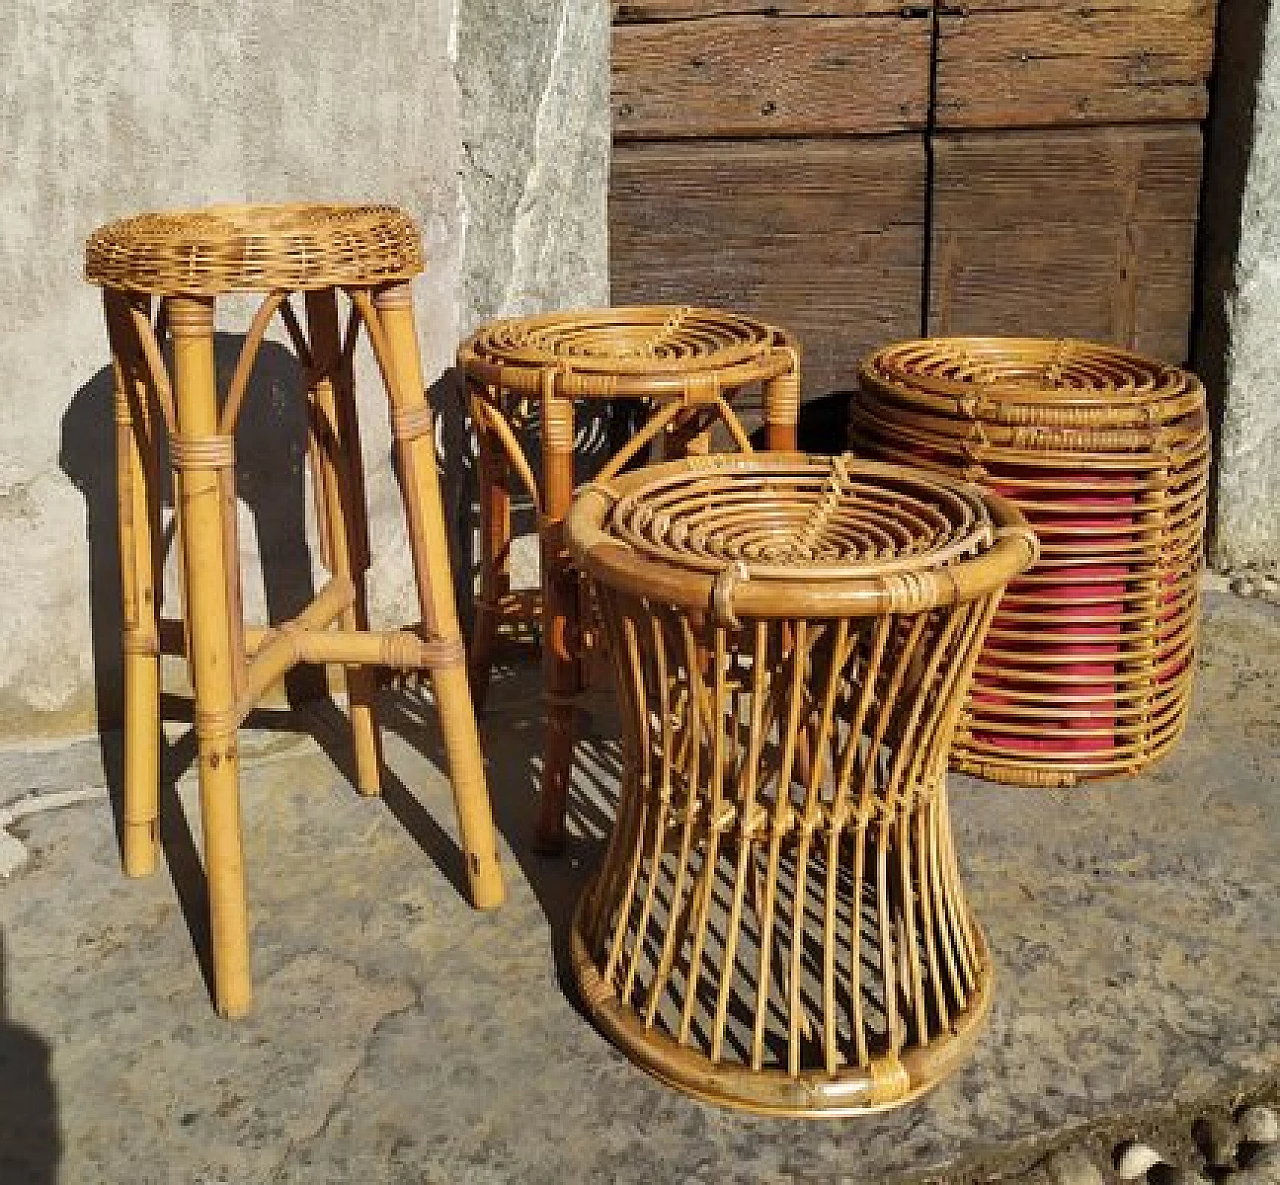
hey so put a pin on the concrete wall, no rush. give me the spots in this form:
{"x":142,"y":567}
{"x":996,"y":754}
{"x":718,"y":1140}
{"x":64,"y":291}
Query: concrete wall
{"x":487,"y":119}
{"x":1238,"y":351}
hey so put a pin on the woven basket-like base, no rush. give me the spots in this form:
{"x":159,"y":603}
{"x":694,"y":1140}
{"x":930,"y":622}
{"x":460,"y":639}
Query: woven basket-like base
{"x":774,"y":1092}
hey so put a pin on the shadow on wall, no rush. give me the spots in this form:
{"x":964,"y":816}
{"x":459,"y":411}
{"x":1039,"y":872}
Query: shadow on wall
{"x":30,"y":1137}
{"x":1228,"y":149}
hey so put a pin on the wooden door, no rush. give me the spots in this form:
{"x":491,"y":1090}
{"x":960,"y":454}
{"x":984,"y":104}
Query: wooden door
{"x":770,"y":157}
{"x":862,"y":171}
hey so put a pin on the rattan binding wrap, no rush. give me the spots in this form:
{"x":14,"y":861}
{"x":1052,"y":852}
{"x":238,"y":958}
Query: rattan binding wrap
{"x":1088,"y":668}
{"x":254,"y":249}
{"x":779,"y":924}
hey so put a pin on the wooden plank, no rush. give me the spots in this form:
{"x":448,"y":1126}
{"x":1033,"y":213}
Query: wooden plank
{"x":1079,"y":232}
{"x":770,"y":76}
{"x":629,"y":11}
{"x":824,"y":237}
{"x":1003,"y":63}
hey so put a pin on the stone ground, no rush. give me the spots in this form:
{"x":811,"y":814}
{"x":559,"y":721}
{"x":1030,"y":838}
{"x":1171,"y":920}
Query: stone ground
{"x":398,"y":1036}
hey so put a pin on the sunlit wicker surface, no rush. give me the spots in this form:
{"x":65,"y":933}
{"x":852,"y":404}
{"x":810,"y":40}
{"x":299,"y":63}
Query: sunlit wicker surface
{"x":254,"y":249}
{"x":1087,"y":671}
{"x":611,"y":348}
{"x":779,"y":924}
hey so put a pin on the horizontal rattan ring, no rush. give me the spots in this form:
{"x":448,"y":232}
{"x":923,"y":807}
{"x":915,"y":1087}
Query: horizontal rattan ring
{"x":255,"y":248}
{"x":1040,"y":383}
{"x":797,"y":535}
{"x":855,"y":1091}
{"x":634,"y":350}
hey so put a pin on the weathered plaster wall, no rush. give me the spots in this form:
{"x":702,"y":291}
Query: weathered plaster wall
{"x":485,"y":118}
{"x":1238,"y":350}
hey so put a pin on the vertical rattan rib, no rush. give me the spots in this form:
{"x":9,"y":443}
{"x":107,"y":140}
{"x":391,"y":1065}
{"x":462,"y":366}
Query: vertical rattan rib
{"x":1088,"y":668}
{"x":779,"y":923}
{"x":187,"y":260}
{"x":687,"y":367}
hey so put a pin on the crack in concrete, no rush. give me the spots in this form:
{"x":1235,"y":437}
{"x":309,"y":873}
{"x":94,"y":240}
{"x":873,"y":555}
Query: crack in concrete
{"x":299,"y":1145}
{"x":14,"y":854}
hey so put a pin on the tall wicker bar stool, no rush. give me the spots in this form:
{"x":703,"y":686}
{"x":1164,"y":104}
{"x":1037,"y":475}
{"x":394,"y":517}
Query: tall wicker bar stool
{"x":779,"y":924}
{"x":685,"y":366}
{"x":1088,"y":668}
{"x":161,"y":275}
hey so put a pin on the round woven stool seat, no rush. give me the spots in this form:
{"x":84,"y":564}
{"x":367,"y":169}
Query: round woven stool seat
{"x":1087,"y":669}
{"x":220,"y":249}
{"x":641,"y":350}
{"x":779,"y":923}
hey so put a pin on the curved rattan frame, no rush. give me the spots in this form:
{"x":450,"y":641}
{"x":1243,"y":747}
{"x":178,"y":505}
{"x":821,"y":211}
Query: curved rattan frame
{"x":1087,"y":671}
{"x":779,"y":924}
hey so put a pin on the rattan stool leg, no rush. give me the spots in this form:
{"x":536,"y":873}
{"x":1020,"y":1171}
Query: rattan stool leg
{"x":561,"y":671}
{"x":420,"y":486}
{"x":495,"y":544}
{"x":782,"y":408}
{"x":341,"y":504}
{"x":206,"y":505}
{"x":139,"y":521}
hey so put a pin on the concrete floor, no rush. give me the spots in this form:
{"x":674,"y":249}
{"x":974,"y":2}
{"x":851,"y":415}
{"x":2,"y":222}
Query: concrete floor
{"x":398,"y":1036}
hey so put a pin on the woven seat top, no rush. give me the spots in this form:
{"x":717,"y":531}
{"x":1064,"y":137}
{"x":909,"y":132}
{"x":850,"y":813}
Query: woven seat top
{"x":255,"y":249}
{"x":824,"y":517}
{"x":635,"y":340}
{"x":1032,"y":381}
{"x":792,"y":531}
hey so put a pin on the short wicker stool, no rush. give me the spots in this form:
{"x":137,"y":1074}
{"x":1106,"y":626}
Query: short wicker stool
{"x":779,"y":924}
{"x":685,"y":366}
{"x":1088,"y":668}
{"x":187,"y":260}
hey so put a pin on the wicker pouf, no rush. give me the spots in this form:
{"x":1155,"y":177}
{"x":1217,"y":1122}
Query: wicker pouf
{"x":1088,"y":667}
{"x":779,"y":923}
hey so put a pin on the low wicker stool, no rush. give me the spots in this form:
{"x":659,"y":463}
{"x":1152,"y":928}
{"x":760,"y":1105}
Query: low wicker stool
{"x":686,"y":366}
{"x":181,"y":262}
{"x":779,"y":923}
{"x":1087,"y":671}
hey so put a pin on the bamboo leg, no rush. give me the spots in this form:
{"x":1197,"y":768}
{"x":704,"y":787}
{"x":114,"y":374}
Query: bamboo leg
{"x":343,"y":510}
{"x":561,"y":674}
{"x":204,"y":505}
{"x":495,"y":542}
{"x":782,"y":408}
{"x":139,"y":532}
{"x":416,"y":465}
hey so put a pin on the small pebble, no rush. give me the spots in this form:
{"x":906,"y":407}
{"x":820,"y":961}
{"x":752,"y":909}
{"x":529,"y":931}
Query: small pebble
{"x":1070,"y":1166}
{"x":1134,"y":1159}
{"x":1218,"y":1139}
{"x":1258,"y":1125}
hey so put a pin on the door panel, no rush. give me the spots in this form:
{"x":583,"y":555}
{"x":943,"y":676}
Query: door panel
{"x":770,"y":76}
{"x":824,"y":237}
{"x":1030,"y":63}
{"x":1085,"y":233}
